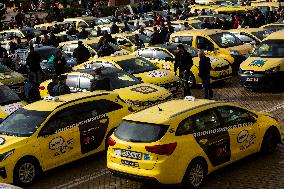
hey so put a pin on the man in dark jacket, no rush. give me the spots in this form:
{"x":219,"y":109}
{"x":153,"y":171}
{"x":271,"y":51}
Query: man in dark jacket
{"x":105,"y":50}
{"x":183,"y":62}
{"x":155,"y":38}
{"x":81,"y":53}
{"x":31,"y":89}
{"x":33,"y":62}
{"x":51,"y":85}
{"x":204,"y":74}
{"x":59,"y":63}
{"x":61,"y":88}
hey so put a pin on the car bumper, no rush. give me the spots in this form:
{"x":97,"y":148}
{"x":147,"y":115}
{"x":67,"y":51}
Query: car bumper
{"x":261,"y":79}
{"x":238,"y":59}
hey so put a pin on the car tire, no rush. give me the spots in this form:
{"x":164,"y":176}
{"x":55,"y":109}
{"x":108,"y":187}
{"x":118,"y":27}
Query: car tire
{"x":270,"y":141}
{"x":26,"y":172}
{"x":195,"y":174}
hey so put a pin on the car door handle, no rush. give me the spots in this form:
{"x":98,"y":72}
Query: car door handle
{"x":203,"y":141}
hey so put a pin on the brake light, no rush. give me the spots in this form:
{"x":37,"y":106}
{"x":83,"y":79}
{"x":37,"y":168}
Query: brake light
{"x":41,"y":87}
{"x":165,"y":149}
{"x":111,"y":141}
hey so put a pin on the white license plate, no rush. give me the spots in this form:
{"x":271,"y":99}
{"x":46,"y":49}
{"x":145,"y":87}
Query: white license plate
{"x":252,"y":79}
{"x":129,"y":163}
{"x":131,"y":154}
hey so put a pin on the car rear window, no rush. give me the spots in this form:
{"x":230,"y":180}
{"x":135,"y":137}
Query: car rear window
{"x":140,"y":132}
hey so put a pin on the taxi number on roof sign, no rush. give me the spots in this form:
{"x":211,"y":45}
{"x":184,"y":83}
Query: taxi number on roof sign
{"x":11,"y":108}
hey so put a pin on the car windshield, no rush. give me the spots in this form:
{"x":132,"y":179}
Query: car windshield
{"x":226,"y":39}
{"x":4,"y":69}
{"x":121,"y":80}
{"x":144,"y":38}
{"x":270,"y":49}
{"x":140,"y":132}
{"x":136,"y":65}
{"x":262,"y":34}
{"x":96,"y":47}
{"x":192,"y":51}
{"x":23,"y":122}
{"x":7,"y":96}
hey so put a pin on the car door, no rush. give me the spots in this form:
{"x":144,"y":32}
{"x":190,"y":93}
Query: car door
{"x":209,"y":134}
{"x":242,"y":127}
{"x":59,"y":138}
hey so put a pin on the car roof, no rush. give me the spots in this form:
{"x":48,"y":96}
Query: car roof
{"x":164,"y":112}
{"x":197,"y":32}
{"x":249,"y":30}
{"x":116,"y":58}
{"x":276,"y":35}
{"x":49,"y":105}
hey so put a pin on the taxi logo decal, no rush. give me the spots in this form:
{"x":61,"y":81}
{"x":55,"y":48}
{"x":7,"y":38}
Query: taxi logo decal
{"x":166,"y":67}
{"x":257,"y":63}
{"x":247,"y":140}
{"x":60,"y":146}
{"x":157,"y":74}
{"x":2,"y":140}
{"x":242,"y":136}
{"x":144,"y":89}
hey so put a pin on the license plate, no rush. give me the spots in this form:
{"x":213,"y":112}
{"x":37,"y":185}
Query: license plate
{"x":129,"y":163}
{"x":252,"y":79}
{"x":131,"y":154}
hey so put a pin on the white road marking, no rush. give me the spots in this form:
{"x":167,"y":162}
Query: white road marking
{"x":82,"y":179}
{"x":274,"y":108}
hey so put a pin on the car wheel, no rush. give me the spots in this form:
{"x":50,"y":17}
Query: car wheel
{"x":270,"y":141}
{"x":26,"y":171}
{"x":191,"y":80}
{"x":195,"y":174}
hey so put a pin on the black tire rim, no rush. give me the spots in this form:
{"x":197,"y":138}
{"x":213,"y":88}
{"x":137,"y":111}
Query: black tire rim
{"x":196,"y":175}
{"x":27,"y":172}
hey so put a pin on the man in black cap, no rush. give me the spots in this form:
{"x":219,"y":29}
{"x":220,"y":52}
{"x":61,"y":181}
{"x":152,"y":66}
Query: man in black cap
{"x":204,"y":74}
{"x":61,"y":88}
{"x":183,"y":62}
{"x":81,"y":53}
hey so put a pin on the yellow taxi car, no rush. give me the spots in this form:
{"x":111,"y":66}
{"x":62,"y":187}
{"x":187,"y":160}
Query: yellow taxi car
{"x":209,"y":2}
{"x":55,"y":131}
{"x":12,"y":79}
{"x":9,"y":101}
{"x":265,"y":67}
{"x":141,"y":68}
{"x":251,"y":35}
{"x":218,"y":43}
{"x":47,"y":26}
{"x":274,"y":26}
{"x":207,"y":8}
{"x":130,"y":89}
{"x":163,"y":56}
{"x":92,"y":45}
{"x":267,"y":6}
{"x":234,"y":9}
{"x":127,"y":41}
{"x":86,"y":22}
{"x":182,"y":141}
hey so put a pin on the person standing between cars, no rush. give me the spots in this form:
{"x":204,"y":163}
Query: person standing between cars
{"x":155,"y":37}
{"x":138,"y":42}
{"x":105,"y":50}
{"x":59,"y":63}
{"x":50,"y":86}
{"x":183,"y":62}
{"x":204,"y":74}
{"x":81,"y":53}
{"x":33,"y":63}
{"x":61,"y":88}
{"x":31,"y":89}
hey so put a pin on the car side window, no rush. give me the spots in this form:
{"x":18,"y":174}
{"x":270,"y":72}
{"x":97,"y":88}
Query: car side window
{"x":82,"y":24}
{"x":72,"y":81}
{"x":185,"y":127}
{"x":205,"y":44}
{"x":234,"y":116}
{"x":206,"y":120}
{"x":183,"y":39}
{"x":161,"y":55}
{"x":85,"y":82}
{"x":244,"y":38}
{"x":69,"y":48}
{"x":146,"y":53}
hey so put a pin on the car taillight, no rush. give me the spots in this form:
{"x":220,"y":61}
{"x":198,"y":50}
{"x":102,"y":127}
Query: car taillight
{"x":165,"y":149}
{"x":41,"y":87}
{"x":111,"y":141}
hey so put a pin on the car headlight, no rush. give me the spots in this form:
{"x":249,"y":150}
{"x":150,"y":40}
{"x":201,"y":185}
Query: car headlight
{"x":6,"y":155}
{"x":234,"y":53}
{"x":273,"y":70}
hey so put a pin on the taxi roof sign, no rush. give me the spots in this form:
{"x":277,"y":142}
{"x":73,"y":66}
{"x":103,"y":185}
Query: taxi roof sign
{"x":51,"y":98}
{"x":189,"y":98}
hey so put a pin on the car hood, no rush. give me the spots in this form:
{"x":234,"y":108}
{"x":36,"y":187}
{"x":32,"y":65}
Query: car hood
{"x":9,"y":142}
{"x":143,"y":92}
{"x":11,"y":78}
{"x":260,"y":64}
{"x":157,"y":77}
